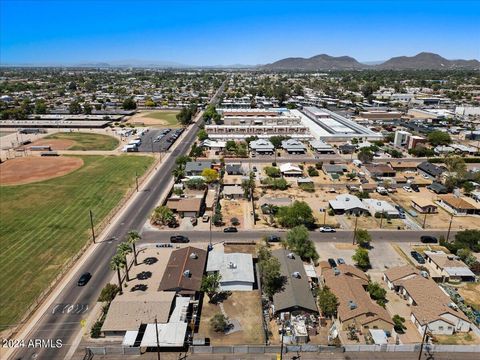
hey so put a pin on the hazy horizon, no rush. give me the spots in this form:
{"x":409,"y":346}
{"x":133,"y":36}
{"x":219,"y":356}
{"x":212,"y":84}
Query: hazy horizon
{"x":210,"y":33}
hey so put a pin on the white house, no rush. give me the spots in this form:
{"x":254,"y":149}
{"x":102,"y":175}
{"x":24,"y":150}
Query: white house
{"x":375,"y":206}
{"x":236,"y":269}
{"x":348,"y":204}
{"x":289,"y":169}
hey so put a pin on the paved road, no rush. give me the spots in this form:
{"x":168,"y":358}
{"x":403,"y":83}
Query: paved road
{"x":254,"y":235}
{"x":66,"y":326}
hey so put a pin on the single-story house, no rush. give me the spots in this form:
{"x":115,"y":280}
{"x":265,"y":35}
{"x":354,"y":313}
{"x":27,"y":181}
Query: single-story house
{"x":369,"y":188}
{"x":184,"y":272}
{"x":294,"y":146}
{"x":234,"y":169}
{"x":235,"y":269}
{"x":262,"y":146}
{"x":348,"y":204}
{"x":214,"y":145}
{"x":355,"y":308}
{"x":430,"y":306}
{"x":347,"y":148}
{"x":380,"y":170}
{"x":296,"y":294}
{"x":437,"y":188}
{"x":459,"y":205}
{"x":266,"y":202}
{"x":395,"y":274}
{"x":447,"y":267}
{"x":186,"y":207}
{"x":375,"y":206}
{"x":424,"y":206}
{"x":331,"y":169}
{"x":403,"y":165}
{"x":288,"y":169}
{"x":195,"y":168}
{"x":233,"y":192}
{"x":321,"y":147}
{"x":431,"y":170}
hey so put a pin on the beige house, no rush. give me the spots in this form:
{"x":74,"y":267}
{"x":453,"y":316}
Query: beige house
{"x":447,"y":267}
{"x":424,"y":206}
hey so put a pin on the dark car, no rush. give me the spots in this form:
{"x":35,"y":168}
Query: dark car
{"x":332,"y":263}
{"x":415,"y":187}
{"x":418,"y":257}
{"x":273,"y":238}
{"x":179,"y":239}
{"x":230,"y":229}
{"x":340,"y":261}
{"x":84,"y":279}
{"x":427,"y":239}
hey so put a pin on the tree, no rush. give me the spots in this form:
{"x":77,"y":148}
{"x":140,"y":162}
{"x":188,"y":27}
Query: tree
{"x":202,"y":135}
{"x":363,"y":238}
{"x":196,"y":151}
{"x":377,"y":293}
{"x":133,"y":237}
{"x":298,"y":241}
{"x":108,"y":293}
{"x":149,"y":103}
{"x":186,"y":114}
{"x":195,"y":183}
{"x":210,"y":113}
{"x":248,"y":186}
{"x":456,"y":166}
{"x":269,"y":268}
{"x":124,"y":249}
{"x":210,"y":175}
{"x":182,"y":160}
{"x":40,"y":107}
{"x":178,"y":172}
{"x":87,"y":108}
{"x":74,"y":107}
{"x":439,"y":138}
{"x":327,"y":302}
{"x":421,"y":151}
{"x":361,"y":258}
{"x":399,"y":325}
{"x":219,"y":322}
{"x":468,"y":187}
{"x":231,"y":145}
{"x":129,"y":104}
{"x":466,"y":255}
{"x":116,"y":264}
{"x":299,"y":213}
{"x":72,"y":86}
{"x":277,"y":141}
{"x":162,"y":215}
{"x":272,"y":171}
{"x":211,"y":285}
{"x":469,"y":239}
{"x":365,"y":155}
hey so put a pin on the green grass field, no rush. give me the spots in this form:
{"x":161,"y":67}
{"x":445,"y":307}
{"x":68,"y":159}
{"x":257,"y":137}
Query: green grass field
{"x":168,"y":116}
{"x":87,"y":141}
{"x":44,"y":224}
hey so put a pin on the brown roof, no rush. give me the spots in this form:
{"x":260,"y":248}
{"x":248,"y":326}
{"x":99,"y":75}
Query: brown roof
{"x":175,"y":277}
{"x":350,"y":289}
{"x":379,"y":168}
{"x":190,"y":204}
{"x":445,"y":260}
{"x":458,"y":203}
{"x":369,"y":186}
{"x":430,"y":300}
{"x":403,"y":164}
{"x":423,"y":202}
{"x":400,"y":272}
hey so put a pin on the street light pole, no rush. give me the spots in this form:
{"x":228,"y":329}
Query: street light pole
{"x":91,"y":225}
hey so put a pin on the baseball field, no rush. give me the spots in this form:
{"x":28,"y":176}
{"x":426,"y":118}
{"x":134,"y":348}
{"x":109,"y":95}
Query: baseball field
{"x":43,"y":224}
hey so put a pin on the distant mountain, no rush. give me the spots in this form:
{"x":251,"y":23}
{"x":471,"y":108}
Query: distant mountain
{"x":421,"y":61}
{"x":318,"y":62}
{"x":426,"y":60}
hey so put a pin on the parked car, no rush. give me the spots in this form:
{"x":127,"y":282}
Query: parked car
{"x":327,"y":229}
{"x":340,"y":261}
{"x":179,"y":239}
{"x":84,"y":279}
{"x":418,"y":257}
{"x":425,"y":176}
{"x":332,"y":263}
{"x":205,"y":218}
{"x":230,"y":229}
{"x":254,"y":169}
{"x":194,"y":221}
{"x":427,"y":239}
{"x":407,"y":189}
{"x":415,"y":187}
{"x":273,"y":238}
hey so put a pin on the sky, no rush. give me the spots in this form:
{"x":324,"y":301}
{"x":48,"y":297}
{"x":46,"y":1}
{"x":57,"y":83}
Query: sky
{"x":233,"y":32}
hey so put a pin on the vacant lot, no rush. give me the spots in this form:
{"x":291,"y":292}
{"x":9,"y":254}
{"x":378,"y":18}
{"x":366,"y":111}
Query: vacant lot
{"x":242,"y":306}
{"x":471,"y":293}
{"x":80,"y":141}
{"x":42,"y":225}
{"x":156,"y":119}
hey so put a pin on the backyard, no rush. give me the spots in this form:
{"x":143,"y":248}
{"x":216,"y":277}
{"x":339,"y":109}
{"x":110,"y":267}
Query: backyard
{"x":44,"y":224}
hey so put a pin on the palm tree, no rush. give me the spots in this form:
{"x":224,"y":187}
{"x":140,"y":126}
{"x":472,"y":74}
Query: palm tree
{"x":133,"y":237}
{"x":124,"y":249}
{"x":116,"y":263}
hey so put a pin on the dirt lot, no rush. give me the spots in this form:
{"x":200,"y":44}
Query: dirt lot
{"x":233,"y":209}
{"x":457,"y":339}
{"x":434,"y":221}
{"x":55,"y":144}
{"x":31,"y":169}
{"x":242,"y":306}
{"x":471,"y":293}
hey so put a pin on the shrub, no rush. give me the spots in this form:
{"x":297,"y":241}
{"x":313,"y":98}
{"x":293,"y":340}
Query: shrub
{"x":108,"y":293}
{"x":96,"y":329}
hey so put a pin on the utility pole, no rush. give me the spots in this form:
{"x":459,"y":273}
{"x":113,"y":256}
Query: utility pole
{"x":449,"y":227}
{"x":136,"y":179}
{"x":355,"y":230}
{"x":91,"y":225}
{"x":424,"y":220}
{"x":151,"y":142}
{"x":158,"y":342}
{"x":423,"y":340}
{"x":324,"y":216}
{"x":381,"y":219}
{"x":281,"y":343}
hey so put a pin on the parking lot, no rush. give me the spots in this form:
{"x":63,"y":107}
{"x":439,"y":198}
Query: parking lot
{"x":154,"y":141}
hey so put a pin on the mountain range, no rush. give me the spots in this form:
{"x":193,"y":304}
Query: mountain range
{"x":421,"y":61}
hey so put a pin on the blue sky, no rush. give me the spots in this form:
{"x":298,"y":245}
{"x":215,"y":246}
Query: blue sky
{"x":233,"y":32}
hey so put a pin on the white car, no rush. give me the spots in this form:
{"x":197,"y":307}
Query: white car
{"x":327,"y":229}
{"x":425,"y":176}
{"x":407,"y":189}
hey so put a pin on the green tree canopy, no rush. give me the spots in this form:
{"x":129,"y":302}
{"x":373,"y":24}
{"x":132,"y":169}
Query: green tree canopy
{"x":269,"y":268}
{"x":327,"y":302}
{"x":219,"y":322}
{"x":363,"y":238}
{"x":129,"y":104}
{"x":211,"y":285}
{"x":298,"y":240}
{"x":439,"y":138}
{"x":361,"y":258}
{"x":202,"y":135}
{"x":162,"y":215}
{"x":377,"y":293}
{"x":299,"y":213}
